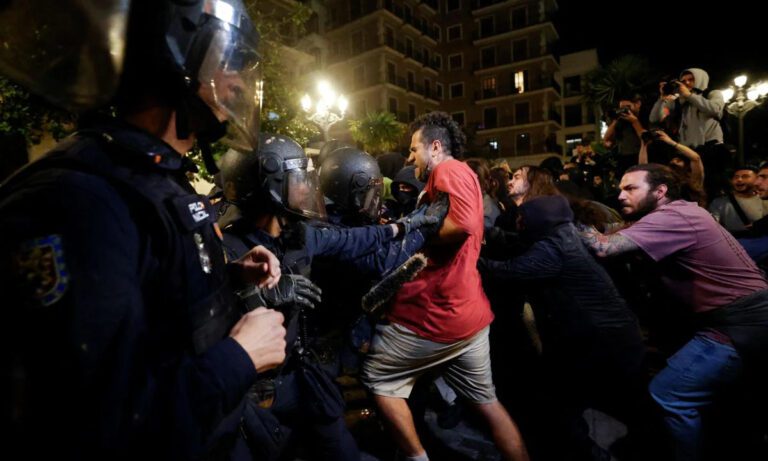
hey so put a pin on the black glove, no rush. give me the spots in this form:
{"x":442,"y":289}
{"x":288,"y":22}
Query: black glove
{"x":292,"y":291}
{"x":428,"y":218}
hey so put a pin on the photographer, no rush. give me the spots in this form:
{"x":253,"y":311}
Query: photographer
{"x":624,"y":131}
{"x":701,"y":110}
{"x":683,"y":160}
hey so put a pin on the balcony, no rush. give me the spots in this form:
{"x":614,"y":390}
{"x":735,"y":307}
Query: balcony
{"x":510,"y":90}
{"x":504,"y":57}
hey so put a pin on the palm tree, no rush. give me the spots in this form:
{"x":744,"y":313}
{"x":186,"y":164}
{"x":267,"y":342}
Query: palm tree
{"x":378,"y":132}
{"x":625,"y":75}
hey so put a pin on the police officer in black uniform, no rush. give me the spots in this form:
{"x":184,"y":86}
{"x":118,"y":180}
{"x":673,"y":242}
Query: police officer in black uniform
{"x":121,"y":339}
{"x":276,"y":192}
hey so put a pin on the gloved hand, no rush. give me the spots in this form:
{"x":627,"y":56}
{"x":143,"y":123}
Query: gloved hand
{"x":292,"y":289}
{"x":428,"y":218}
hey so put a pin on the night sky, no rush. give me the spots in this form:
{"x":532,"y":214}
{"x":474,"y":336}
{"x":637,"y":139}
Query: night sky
{"x":725,"y":40}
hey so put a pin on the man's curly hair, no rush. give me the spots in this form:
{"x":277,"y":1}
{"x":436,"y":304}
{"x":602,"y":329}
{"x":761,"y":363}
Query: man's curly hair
{"x":440,"y":126}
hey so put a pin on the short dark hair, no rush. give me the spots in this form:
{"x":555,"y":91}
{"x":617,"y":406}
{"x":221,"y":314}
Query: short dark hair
{"x":441,"y":127}
{"x":656,"y":175}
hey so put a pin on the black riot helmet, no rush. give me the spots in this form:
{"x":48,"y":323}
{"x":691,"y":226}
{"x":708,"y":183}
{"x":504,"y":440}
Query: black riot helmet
{"x":276,"y":179}
{"x":200,"y":57}
{"x":195,"y":56}
{"x":352,"y":181}
{"x":328,"y":148}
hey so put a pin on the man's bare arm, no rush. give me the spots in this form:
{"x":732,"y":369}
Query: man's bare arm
{"x":606,"y":245}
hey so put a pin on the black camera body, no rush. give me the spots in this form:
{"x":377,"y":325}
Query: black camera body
{"x":650,"y":135}
{"x":616,"y":113}
{"x":671,"y":87}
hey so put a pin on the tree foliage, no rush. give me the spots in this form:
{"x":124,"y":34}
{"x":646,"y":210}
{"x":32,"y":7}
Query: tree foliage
{"x":625,"y":75}
{"x":378,"y":132}
{"x":27,"y":115}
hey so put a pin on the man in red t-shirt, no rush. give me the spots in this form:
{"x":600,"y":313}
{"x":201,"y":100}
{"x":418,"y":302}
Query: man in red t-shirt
{"x":439,"y":321}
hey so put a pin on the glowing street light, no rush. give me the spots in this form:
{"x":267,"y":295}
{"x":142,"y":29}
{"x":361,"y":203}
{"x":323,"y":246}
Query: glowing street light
{"x":328,"y":109}
{"x":740,"y":99}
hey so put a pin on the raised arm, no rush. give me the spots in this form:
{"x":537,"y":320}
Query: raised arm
{"x":606,"y":245}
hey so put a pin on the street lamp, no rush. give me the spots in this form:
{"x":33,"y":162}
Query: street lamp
{"x":329,"y":107}
{"x":740,"y":99}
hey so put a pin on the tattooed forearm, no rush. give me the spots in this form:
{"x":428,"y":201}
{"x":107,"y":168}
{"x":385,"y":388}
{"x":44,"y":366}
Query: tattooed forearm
{"x":606,"y":245}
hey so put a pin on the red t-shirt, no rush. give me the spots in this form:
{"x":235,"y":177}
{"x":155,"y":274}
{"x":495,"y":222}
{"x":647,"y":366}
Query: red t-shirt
{"x":445,"y":302}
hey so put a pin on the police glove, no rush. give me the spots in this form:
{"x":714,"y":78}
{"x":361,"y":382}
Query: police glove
{"x":427,"y":218}
{"x":292,"y":290}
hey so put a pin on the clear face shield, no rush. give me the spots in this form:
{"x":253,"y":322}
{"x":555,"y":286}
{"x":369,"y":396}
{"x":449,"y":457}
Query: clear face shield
{"x":230,"y":79}
{"x":302,"y":193}
{"x":370,"y":206}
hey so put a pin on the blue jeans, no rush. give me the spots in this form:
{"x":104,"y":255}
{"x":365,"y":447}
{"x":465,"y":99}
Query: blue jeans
{"x":693,"y":378}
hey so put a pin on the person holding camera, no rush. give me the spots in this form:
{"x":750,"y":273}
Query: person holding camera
{"x":624,"y":131}
{"x":701,"y":109}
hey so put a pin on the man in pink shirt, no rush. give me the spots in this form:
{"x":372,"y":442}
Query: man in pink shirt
{"x":713,"y":276}
{"x":440,"y":320}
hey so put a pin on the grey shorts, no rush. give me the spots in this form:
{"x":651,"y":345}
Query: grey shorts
{"x":399,"y":356}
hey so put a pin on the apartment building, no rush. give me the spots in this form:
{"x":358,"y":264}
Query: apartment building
{"x":492,"y":64}
{"x":579,"y":121}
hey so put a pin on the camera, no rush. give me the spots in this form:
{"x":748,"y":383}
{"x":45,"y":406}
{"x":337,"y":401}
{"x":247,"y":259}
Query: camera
{"x":671,"y":87}
{"x":616,"y":113}
{"x":650,"y":135}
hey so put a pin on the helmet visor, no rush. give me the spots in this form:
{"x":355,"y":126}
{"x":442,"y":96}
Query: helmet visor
{"x":371,"y":204}
{"x":302,"y":193}
{"x":231,"y":85}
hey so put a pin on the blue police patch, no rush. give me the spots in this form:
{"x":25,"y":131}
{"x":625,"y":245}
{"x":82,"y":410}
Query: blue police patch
{"x":40,"y":262}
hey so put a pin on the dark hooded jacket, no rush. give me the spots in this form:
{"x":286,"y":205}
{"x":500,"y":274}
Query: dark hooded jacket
{"x":583,"y":310}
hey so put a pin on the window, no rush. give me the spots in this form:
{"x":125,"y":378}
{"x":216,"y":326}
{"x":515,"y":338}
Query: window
{"x":436,"y":32}
{"x":438,"y":62}
{"x":354,"y":9}
{"x":454,"y":32}
{"x":572,"y":85}
{"x":455,"y":61}
{"x":486,"y":26}
{"x":425,"y":57}
{"x":439,"y":90}
{"x":457,"y":90}
{"x":362,"y":108}
{"x":520,"y":50}
{"x":489,"y":87}
{"x":522,"y":113}
{"x":488,"y":57}
{"x":359,"y":76}
{"x":427,"y":88}
{"x":523,"y":144}
{"x":393,"y":105}
{"x":519,"y":18}
{"x":389,"y":36}
{"x":573,"y":115}
{"x":490,"y":118}
{"x":571,"y":141}
{"x":452,"y":5}
{"x":458,"y":117}
{"x":521,"y":81}
{"x":391,"y":73}
{"x":407,"y":13}
{"x":411,"y":81}
{"x":493,"y":143}
{"x":357,"y":43}
{"x":411,"y":112}
{"x":408,"y":47}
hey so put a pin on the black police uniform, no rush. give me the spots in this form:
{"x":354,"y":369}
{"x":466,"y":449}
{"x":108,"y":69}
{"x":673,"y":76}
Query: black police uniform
{"x":115,"y":334}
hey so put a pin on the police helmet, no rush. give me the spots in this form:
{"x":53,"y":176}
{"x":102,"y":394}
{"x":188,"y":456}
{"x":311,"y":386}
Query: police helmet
{"x":351,"y":180}
{"x":198,"y":56}
{"x":328,"y":148}
{"x":276,"y":179}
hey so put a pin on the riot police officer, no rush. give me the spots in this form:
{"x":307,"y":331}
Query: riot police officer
{"x":123,"y":341}
{"x":276,"y":192}
{"x":352,"y":184}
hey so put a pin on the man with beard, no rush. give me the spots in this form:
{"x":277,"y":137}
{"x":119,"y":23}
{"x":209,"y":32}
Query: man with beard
{"x":714,"y":277}
{"x":440,"y":320}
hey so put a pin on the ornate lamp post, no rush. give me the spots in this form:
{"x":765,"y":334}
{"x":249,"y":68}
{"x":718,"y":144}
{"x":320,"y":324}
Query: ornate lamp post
{"x":740,"y":99}
{"x":329,"y":107}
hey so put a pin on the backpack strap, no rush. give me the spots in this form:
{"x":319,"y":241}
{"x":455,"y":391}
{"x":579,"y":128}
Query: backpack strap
{"x":739,"y":211}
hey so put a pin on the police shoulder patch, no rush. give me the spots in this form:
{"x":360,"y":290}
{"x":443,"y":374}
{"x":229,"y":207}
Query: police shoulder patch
{"x":40,"y":263}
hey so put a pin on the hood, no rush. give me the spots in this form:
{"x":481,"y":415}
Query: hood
{"x":542,"y":215}
{"x":407,"y":175}
{"x":701,"y":76}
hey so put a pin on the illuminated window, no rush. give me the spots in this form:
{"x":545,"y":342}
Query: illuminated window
{"x":520,"y":81}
